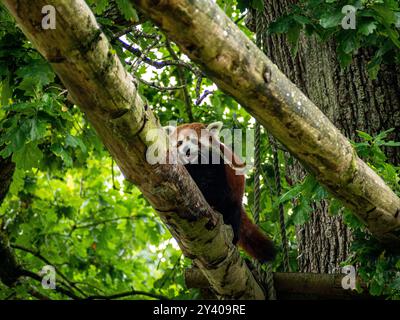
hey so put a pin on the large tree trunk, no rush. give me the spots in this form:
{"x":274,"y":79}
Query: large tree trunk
{"x":352,"y":101}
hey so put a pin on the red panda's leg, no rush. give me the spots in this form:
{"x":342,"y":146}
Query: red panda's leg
{"x":232,"y":216}
{"x":233,"y":210}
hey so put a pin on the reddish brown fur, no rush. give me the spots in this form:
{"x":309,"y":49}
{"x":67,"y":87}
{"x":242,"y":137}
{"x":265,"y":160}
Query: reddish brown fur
{"x":193,"y":126}
{"x":251,"y":237}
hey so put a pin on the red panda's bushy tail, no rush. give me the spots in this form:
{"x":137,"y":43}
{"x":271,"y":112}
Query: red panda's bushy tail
{"x":254,"y":241}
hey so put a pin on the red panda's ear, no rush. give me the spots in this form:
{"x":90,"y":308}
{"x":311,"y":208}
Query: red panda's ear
{"x":214,"y":128}
{"x":169,"y":129}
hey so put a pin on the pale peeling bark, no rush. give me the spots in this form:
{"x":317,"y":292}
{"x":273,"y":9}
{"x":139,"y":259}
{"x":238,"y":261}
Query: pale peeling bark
{"x":97,"y":81}
{"x":228,"y":57}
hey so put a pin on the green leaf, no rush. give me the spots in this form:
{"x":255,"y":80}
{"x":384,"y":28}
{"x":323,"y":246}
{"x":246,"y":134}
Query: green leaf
{"x":38,"y":129}
{"x":257,"y":4}
{"x":387,"y":15}
{"x":28,"y":157}
{"x":382,"y":135}
{"x":396,"y":284}
{"x":301,"y":213}
{"x":351,"y":220}
{"x":331,"y":20}
{"x":367,"y":28}
{"x":35,"y":75}
{"x":101,"y":6}
{"x":18,"y":136}
{"x":20,"y":107}
{"x":391,"y":144}
{"x":344,"y":59}
{"x":75,"y":142}
{"x":280,"y":26}
{"x":301,"y":19}
{"x":59,"y":151}
{"x":293,"y":37}
{"x":320,"y":193}
{"x":364,"y":135}
{"x":309,"y":185}
{"x":126,"y":8}
{"x":17,"y":181}
{"x":375,"y":289}
{"x":349,"y":42}
{"x":335,"y":206}
{"x":292,"y":193}
{"x":374,"y":66}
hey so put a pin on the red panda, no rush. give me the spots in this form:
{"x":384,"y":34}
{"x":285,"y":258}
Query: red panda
{"x":222,"y":188}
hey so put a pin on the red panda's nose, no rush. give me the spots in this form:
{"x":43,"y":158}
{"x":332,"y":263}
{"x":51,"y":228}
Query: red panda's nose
{"x":188,"y":152}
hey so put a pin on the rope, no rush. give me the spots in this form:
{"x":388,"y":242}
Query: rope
{"x":282,"y":224}
{"x":261,"y":25}
{"x":265,"y":275}
{"x":257,"y":173}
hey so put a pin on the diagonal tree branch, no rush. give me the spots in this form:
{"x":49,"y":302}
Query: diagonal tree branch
{"x":71,"y":286}
{"x":239,"y":68}
{"x":96,"y":80}
{"x":128,"y":294}
{"x":10,"y":270}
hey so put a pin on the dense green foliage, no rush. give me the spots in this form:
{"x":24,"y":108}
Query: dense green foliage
{"x":68,"y":204}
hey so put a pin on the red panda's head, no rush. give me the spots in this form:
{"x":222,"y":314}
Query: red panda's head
{"x":192,"y":139}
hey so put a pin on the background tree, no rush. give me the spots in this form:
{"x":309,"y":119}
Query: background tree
{"x":337,"y":69}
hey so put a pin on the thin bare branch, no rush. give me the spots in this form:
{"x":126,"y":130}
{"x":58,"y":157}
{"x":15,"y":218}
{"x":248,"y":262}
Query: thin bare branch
{"x":203,"y":96}
{"x":160,"y":88}
{"x":38,"y":255}
{"x":127,"y":294}
{"x":158,"y":64}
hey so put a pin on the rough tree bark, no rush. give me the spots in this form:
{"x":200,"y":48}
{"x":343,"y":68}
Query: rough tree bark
{"x":352,"y":101}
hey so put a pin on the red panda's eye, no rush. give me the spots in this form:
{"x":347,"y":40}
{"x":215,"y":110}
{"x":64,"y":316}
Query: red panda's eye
{"x":179,"y":143}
